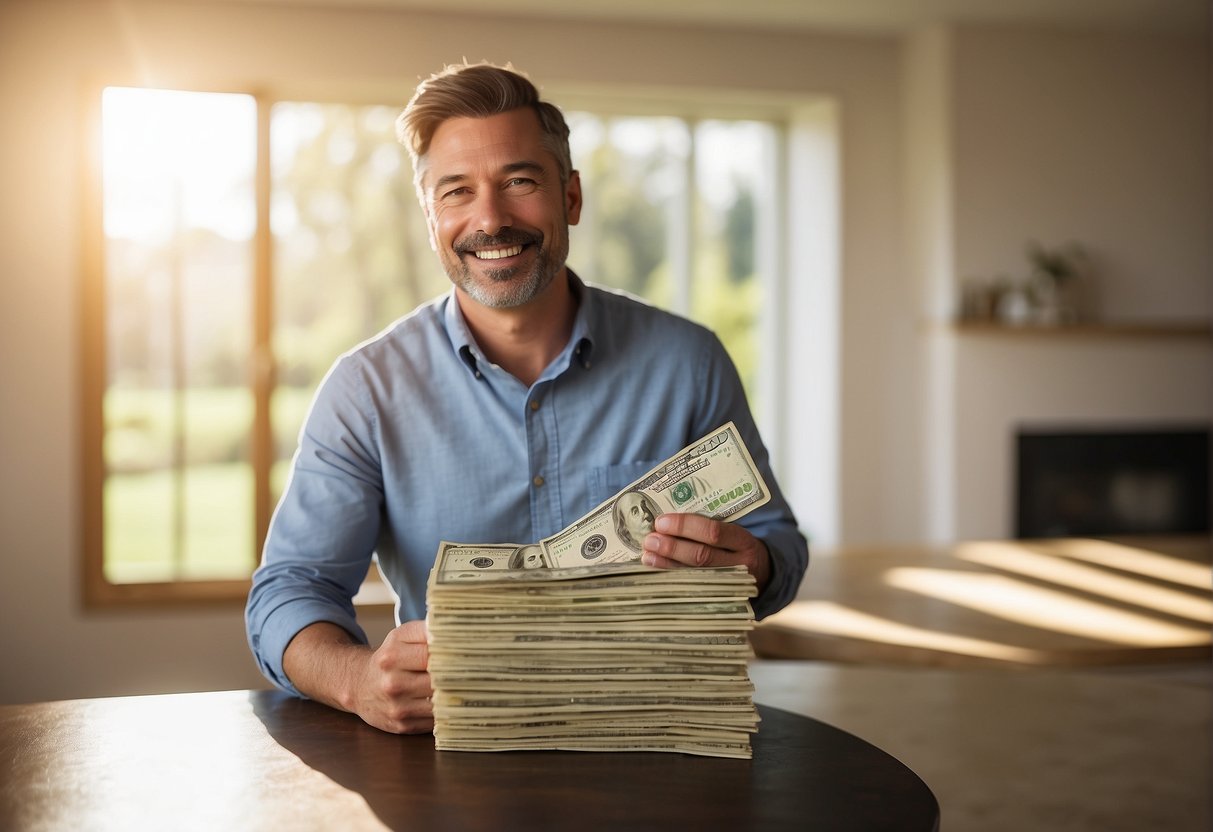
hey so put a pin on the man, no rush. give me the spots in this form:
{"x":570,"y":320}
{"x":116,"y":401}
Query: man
{"x":503,"y":411}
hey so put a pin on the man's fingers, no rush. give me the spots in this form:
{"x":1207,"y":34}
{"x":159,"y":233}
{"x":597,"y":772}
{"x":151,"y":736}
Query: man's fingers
{"x":660,"y":561}
{"x":411,"y":631}
{"x":695,"y":540}
{"x":667,"y":550}
{"x":405,"y":648}
{"x":691,"y":527}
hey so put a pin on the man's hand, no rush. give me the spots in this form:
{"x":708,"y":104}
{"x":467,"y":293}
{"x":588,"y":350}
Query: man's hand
{"x":388,"y":687}
{"x":695,"y":540}
{"x":394,"y":691}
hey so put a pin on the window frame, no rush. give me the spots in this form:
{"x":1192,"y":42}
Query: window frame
{"x":96,"y":590}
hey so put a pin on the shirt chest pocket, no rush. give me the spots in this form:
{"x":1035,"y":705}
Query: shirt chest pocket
{"x":608,"y":480}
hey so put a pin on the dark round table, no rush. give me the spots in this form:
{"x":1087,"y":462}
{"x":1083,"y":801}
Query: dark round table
{"x":263,"y":760}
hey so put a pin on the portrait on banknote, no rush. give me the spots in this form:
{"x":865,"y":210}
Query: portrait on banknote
{"x":528,"y":557}
{"x":634,"y":513}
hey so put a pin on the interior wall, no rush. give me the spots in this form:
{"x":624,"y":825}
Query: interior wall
{"x":1097,"y":137}
{"x":1101,"y":138}
{"x":928,"y":208}
{"x":53,"y":648}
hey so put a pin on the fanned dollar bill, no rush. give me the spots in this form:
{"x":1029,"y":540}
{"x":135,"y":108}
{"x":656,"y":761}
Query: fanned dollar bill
{"x":714,"y":476}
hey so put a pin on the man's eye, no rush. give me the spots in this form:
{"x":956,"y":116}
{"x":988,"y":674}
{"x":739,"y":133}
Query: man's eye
{"x":454,"y":194}
{"x":521,"y":183}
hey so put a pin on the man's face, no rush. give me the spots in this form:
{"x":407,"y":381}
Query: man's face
{"x":498,"y":215}
{"x":636,"y":516}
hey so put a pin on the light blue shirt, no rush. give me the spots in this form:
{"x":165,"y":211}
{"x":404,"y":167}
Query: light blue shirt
{"x":415,"y":437}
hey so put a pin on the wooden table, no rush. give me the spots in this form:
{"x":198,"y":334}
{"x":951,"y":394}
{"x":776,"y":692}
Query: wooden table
{"x":263,"y":760}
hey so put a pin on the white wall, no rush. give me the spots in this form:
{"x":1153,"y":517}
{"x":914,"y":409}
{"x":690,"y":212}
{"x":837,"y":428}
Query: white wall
{"x":929,"y":209}
{"x":1101,"y":138}
{"x":52,"y":648}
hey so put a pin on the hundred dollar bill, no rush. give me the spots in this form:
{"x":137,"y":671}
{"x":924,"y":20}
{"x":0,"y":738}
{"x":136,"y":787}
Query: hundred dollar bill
{"x":504,"y":563}
{"x":511,"y":563}
{"x":715,"y":476}
{"x":458,"y":562}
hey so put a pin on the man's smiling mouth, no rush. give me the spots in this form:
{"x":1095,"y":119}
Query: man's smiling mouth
{"x":497,"y":253}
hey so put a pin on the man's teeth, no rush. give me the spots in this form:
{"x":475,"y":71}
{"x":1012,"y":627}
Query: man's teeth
{"x":498,"y":253}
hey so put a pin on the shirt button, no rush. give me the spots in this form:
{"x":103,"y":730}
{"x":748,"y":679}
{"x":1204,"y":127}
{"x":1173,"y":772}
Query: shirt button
{"x":538,"y":481}
{"x":534,"y":404}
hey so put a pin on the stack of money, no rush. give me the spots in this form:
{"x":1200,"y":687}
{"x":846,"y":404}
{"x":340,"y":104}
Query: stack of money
{"x":615,"y":657}
{"x":571,"y":643}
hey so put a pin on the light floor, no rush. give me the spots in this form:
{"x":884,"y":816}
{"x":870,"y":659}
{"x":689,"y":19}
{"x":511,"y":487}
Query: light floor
{"x":1058,"y":685}
{"x":1113,"y":749}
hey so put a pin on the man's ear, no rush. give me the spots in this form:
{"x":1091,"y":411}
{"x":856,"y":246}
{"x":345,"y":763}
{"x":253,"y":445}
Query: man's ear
{"x":572,"y":198}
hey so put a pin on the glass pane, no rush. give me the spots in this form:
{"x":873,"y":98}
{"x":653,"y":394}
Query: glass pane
{"x":351,"y":251}
{"x":639,"y":233}
{"x":633,"y":173}
{"x":732,"y":159}
{"x":179,"y":219}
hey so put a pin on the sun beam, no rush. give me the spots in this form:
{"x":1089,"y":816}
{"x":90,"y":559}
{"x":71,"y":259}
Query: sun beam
{"x":1015,"y":600}
{"x":173,"y":159}
{"x":1010,"y":557}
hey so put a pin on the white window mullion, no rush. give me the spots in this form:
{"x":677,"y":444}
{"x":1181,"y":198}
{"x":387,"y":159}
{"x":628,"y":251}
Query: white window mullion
{"x":770,"y":261}
{"x":681,"y":229}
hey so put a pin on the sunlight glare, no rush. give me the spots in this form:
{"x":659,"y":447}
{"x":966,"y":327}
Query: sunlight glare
{"x":828,"y":618}
{"x":174,"y":159}
{"x":1014,"y":600}
{"x":1011,"y":557}
{"x":1142,"y":561}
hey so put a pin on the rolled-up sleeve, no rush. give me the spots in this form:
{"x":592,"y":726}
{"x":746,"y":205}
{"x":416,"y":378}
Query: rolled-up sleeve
{"x":789,"y":559}
{"x":323,"y":533}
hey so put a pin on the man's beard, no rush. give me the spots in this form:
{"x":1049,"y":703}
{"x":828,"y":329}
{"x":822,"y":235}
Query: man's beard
{"x":511,"y":286}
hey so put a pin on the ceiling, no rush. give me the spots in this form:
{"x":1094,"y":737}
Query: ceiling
{"x":857,"y":16}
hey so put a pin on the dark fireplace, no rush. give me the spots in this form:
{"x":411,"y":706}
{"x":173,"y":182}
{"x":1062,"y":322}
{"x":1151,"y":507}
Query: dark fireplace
{"x":1112,"y":482}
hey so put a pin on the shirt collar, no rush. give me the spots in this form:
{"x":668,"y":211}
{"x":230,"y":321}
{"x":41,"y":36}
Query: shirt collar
{"x":460,"y":336}
{"x":581,"y":339}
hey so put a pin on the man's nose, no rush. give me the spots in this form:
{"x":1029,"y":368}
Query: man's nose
{"x":492,"y":211}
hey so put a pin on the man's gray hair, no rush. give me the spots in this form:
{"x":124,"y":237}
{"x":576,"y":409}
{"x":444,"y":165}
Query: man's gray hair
{"x":477,"y":91}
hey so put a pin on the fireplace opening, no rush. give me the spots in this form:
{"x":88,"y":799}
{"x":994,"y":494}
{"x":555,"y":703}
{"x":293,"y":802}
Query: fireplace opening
{"x":1097,"y":482}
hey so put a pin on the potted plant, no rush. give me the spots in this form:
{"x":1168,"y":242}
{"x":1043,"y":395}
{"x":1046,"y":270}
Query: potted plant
{"x":1054,"y":282}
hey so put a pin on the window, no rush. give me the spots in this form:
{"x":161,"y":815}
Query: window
{"x":170,"y":321}
{"x":351,"y":250}
{"x":670,"y":213}
{"x":237,"y":244}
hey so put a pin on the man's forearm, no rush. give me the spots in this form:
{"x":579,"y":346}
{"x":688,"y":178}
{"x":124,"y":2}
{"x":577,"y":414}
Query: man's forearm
{"x":325,"y":663}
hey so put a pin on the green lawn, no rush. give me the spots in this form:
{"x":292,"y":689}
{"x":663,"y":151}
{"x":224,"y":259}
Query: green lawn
{"x":216,"y":536}
{"x":214,"y":490}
